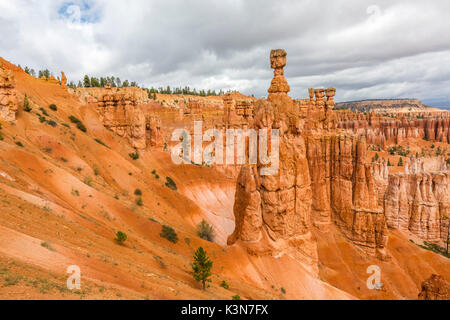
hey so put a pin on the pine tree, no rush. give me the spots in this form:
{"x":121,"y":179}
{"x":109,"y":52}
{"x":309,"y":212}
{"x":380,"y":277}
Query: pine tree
{"x":202,"y":267}
{"x":389,"y":163}
{"x":87,"y":81}
{"x":400,"y":162}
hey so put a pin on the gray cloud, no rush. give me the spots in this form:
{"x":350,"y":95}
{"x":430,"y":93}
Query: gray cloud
{"x":363,"y":48}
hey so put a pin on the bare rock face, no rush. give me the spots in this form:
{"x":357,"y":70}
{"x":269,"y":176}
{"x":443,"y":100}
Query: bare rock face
{"x":435,"y":288}
{"x":383,"y":131}
{"x":354,"y":200}
{"x":273,"y":212}
{"x":153,"y":130}
{"x":8,"y":98}
{"x":121,"y":114}
{"x":323,"y":178}
{"x":419,"y":202}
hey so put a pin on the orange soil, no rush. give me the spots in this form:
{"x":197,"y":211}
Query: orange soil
{"x":63,"y":197}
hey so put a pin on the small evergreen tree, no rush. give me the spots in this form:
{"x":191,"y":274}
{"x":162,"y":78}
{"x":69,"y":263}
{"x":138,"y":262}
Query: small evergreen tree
{"x":26,"y":104}
{"x":202,"y":267}
{"x":87,"y":82}
{"x":400,"y":162}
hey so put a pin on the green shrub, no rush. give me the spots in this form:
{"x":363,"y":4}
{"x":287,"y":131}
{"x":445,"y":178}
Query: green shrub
{"x":169,"y":233}
{"x":81,"y":127}
{"x":79,"y":124}
{"x":171,"y":184}
{"x":53,"y":107}
{"x":138,"y":192}
{"x":19,"y":144}
{"x":224,"y":285}
{"x":205,"y":231}
{"x":52,"y":123}
{"x":121,"y":237}
{"x":236,"y":297}
{"x":1,"y":137}
{"x":139,"y":202}
{"x":47,"y":246}
{"x":102,"y":143}
{"x":44,"y":111}
{"x":134,"y":155}
{"x":26,"y":104}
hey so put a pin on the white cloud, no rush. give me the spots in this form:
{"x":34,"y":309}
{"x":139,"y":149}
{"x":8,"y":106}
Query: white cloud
{"x":364,"y":49}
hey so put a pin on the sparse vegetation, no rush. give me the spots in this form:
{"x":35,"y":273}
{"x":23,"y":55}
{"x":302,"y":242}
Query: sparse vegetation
{"x":398,"y":150}
{"x":53,"y":107}
{"x":26,"y":104}
{"x":160,"y":261}
{"x":138,"y":192}
{"x":201,"y":267}
{"x":435,"y":248}
{"x":18,"y":143}
{"x":139,"y":202}
{"x":52,"y":123}
{"x":134,"y":156}
{"x":171,"y":184}
{"x":88,"y":181}
{"x":205,"y":231}
{"x":78,"y":123}
{"x":169,"y":233}
{"x":224,"y":285}
{"x":47,"y":246}
{"x":121,"y":237}
{"x":44,"y":112}
{"x":236,"y":297}
{"x":102,"y":143}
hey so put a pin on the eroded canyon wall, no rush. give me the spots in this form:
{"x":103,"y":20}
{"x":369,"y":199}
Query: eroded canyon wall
{"x":8,"y":98}
{"x":323,"y":178}
{"x":381,"y":130}
{"x":121,"y":113}
{"x":419,"y":202}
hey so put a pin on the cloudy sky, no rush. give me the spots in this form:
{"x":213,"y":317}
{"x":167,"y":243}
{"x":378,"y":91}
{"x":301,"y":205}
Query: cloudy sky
{"x":366,"y":49}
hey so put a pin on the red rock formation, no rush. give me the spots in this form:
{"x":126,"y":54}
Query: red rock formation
{"x":435,"y":288}
{"x":8,"y":99}
{"x":153,"y":129}
{"x":323,"y":178}
{"x":121,"y":114}
{"x":63,"y":79}
{"x":384,"y":131}
{"x":419,"y":202}
{"x":237,"y":112}
{"x":273,"y":212}
{"x":354,"y":198}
